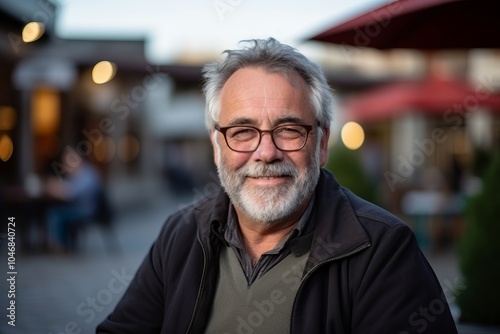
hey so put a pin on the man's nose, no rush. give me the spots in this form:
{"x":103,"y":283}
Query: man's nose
{"x":267,"y":151}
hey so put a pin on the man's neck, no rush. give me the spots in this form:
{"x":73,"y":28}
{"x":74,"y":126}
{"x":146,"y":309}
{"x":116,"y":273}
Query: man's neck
{"x":259,"y":237}
{"x":257,"y":243}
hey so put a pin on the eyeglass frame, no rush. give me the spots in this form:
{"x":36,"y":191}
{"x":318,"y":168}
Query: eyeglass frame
{"x":224,"y":129}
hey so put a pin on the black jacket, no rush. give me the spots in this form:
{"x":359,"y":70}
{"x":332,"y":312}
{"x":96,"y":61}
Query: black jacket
{"x":365,"y":274}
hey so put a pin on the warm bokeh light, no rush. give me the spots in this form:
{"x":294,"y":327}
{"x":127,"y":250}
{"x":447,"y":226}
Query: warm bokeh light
{"x":103,"y":72}
{"x":105,"y":150}
{"x":7,"y":118}
{"x":45,"y":111}
{"x":352,"y":135}
{"x":6,"y":148}
{"x":128,"y":148}
{"x":33,"y":31}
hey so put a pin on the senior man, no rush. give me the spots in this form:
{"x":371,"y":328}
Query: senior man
{"x":283,"y":248}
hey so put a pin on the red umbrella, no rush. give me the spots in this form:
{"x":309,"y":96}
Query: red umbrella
{"x":421,"y":24}
{"x":432,"y":96}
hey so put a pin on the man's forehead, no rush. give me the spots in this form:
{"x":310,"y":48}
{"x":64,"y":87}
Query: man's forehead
{"x":254,"y":94}
{"x":258,"y":78}
{"x":264,"y":100}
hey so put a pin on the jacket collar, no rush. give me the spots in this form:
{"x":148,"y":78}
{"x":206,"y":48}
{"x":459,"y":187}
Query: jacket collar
{"x":338,"y":231}
{"x":217,"y":206}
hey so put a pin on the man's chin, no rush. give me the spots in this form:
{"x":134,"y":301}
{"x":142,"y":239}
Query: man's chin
{"x":267,"y":204}
{"x":266,"y":194}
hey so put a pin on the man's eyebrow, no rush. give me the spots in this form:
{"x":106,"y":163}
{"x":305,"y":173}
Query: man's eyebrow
{"x":288,"y":119}
{"x":242,"y":121}
{"x":281,"y":120}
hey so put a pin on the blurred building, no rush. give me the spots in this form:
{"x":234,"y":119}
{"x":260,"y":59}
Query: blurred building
{"x":440,"y":111}
{"x":140,"y":123}
{"x":143,"y":124}
{"x":427,"y":133}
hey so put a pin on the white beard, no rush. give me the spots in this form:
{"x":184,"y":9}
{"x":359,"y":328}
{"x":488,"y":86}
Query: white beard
{"x":270,"y":205}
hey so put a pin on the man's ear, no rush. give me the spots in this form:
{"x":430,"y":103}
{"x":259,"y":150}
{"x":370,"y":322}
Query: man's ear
{"x":323,"y":157}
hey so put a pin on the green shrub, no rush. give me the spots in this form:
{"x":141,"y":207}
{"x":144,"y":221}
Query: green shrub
{"x":347,"y":167}
{"x":480,"y":252}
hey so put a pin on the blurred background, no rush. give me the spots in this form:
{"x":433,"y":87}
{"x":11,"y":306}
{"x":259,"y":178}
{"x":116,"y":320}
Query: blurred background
{"x":102,"y":135}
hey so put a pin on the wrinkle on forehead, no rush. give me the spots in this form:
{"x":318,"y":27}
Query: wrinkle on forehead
{"x":263,"y":110}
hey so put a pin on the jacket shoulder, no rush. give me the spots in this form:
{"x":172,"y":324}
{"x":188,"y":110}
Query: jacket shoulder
{"x":369,"y":213}
{"x":194,"y":218}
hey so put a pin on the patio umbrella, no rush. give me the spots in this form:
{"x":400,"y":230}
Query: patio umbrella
{"x":426,"y":25}
{"x":421,"y":24}
{"x":432,"y":96}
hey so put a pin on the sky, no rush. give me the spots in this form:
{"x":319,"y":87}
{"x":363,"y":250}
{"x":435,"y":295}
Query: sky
{"x":171,"y":28}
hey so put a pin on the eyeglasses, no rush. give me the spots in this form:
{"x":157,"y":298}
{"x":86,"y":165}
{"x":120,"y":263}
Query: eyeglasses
{"x":288,"y":138}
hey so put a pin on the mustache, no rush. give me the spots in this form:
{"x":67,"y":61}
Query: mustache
{"x":268,"y":170}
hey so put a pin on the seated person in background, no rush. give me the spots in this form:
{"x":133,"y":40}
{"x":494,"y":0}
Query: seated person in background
{"x":78,"y":190}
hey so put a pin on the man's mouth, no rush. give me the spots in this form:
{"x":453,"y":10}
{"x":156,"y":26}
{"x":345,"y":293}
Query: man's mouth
{"x":268,"y":177}
{"x":269,"y":180}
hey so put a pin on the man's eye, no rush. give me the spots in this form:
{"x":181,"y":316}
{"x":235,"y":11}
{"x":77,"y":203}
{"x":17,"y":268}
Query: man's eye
{"x":243,"y":133}
{"x":288,"y":132}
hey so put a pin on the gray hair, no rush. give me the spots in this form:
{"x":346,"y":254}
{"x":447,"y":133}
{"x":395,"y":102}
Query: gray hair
{"x":273,"y":57}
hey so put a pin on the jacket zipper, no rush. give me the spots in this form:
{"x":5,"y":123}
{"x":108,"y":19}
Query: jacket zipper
{"x":333,"y":259}
{"x":201,"y":285}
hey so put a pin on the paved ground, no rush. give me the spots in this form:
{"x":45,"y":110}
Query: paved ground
{"x":65,"y":294}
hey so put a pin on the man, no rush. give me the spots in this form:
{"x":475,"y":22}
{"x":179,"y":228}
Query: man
{"x":284,"y":248}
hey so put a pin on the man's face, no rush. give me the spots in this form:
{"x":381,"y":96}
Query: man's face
{"x":268,"y":185}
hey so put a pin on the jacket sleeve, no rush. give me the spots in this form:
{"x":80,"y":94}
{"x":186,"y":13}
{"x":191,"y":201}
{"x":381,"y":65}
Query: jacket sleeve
{"x":398,"y":292}
{"x":141,"y":308}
